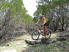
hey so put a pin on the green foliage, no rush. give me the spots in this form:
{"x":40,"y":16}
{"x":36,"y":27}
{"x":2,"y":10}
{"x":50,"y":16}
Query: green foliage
{"x":35,"y":19}
{"x":17,"y":10}
{"x":6,"y":4}
{"x":51,"y":7}
{"x":44,"y":8}
{"x":28,"y":18}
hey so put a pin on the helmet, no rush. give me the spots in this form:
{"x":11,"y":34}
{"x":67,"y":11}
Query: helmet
{"x":40,"y":15}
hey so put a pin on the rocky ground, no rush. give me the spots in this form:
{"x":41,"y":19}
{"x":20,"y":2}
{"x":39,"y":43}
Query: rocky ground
{"x":19,"y":45}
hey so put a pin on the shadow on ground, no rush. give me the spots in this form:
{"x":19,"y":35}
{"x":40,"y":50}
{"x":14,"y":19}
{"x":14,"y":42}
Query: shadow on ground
{"x":44,"y":48}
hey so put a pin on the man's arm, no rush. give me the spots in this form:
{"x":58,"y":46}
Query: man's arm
{"x":44,"y":20}
{"x":38,"y":21}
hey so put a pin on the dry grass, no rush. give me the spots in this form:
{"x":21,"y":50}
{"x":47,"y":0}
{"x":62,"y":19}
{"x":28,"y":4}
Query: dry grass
{"x":20,"y":45}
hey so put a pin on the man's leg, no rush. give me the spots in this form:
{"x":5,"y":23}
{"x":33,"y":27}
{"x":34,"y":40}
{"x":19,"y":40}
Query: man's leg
{"x":39,"y":29}
{"x":45,"y":29}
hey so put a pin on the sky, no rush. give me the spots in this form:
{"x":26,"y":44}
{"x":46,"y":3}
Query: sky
{"x":30,"y":6}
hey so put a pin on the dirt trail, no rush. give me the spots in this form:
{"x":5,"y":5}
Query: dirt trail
{"x":19,"y":44}
{"x":16,"y":45}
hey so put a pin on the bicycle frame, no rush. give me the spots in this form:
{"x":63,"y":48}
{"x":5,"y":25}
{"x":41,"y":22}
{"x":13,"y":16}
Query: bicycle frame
{"x":40,"y":28}
{"x":39,"y":31}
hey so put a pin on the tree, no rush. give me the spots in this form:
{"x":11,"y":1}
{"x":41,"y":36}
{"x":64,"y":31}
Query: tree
{"x":55,"y":11}
{"x":14,"y":13}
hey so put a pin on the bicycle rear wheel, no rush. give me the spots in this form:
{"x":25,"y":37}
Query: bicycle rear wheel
{"x":35,"y":35}
{"x":48,"y":34}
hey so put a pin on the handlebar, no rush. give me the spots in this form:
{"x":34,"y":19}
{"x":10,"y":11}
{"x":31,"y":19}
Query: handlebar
{"x":39,"y":25}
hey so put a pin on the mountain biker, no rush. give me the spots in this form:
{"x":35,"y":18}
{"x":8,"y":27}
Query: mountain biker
{"x":43,"y":21}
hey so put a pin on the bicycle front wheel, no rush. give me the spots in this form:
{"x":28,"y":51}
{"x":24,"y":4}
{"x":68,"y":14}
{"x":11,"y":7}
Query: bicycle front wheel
{"x":35,"y":35}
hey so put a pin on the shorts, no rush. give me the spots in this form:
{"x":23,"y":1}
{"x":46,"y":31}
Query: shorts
{"x":45,"y":24}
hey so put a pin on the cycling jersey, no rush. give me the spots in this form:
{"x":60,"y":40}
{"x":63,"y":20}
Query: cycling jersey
{"x":43,"y":20}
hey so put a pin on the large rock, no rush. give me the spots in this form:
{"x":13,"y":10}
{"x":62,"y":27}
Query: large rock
{"x":42,"y":41}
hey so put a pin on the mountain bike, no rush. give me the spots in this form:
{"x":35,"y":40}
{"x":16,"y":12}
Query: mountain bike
{"x":39,"y":31}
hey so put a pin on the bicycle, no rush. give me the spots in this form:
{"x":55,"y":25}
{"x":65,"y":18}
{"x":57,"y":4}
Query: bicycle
{"x":39,"y":31}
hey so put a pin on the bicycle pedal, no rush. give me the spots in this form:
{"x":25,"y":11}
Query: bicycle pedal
{"x":44,"y":35}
